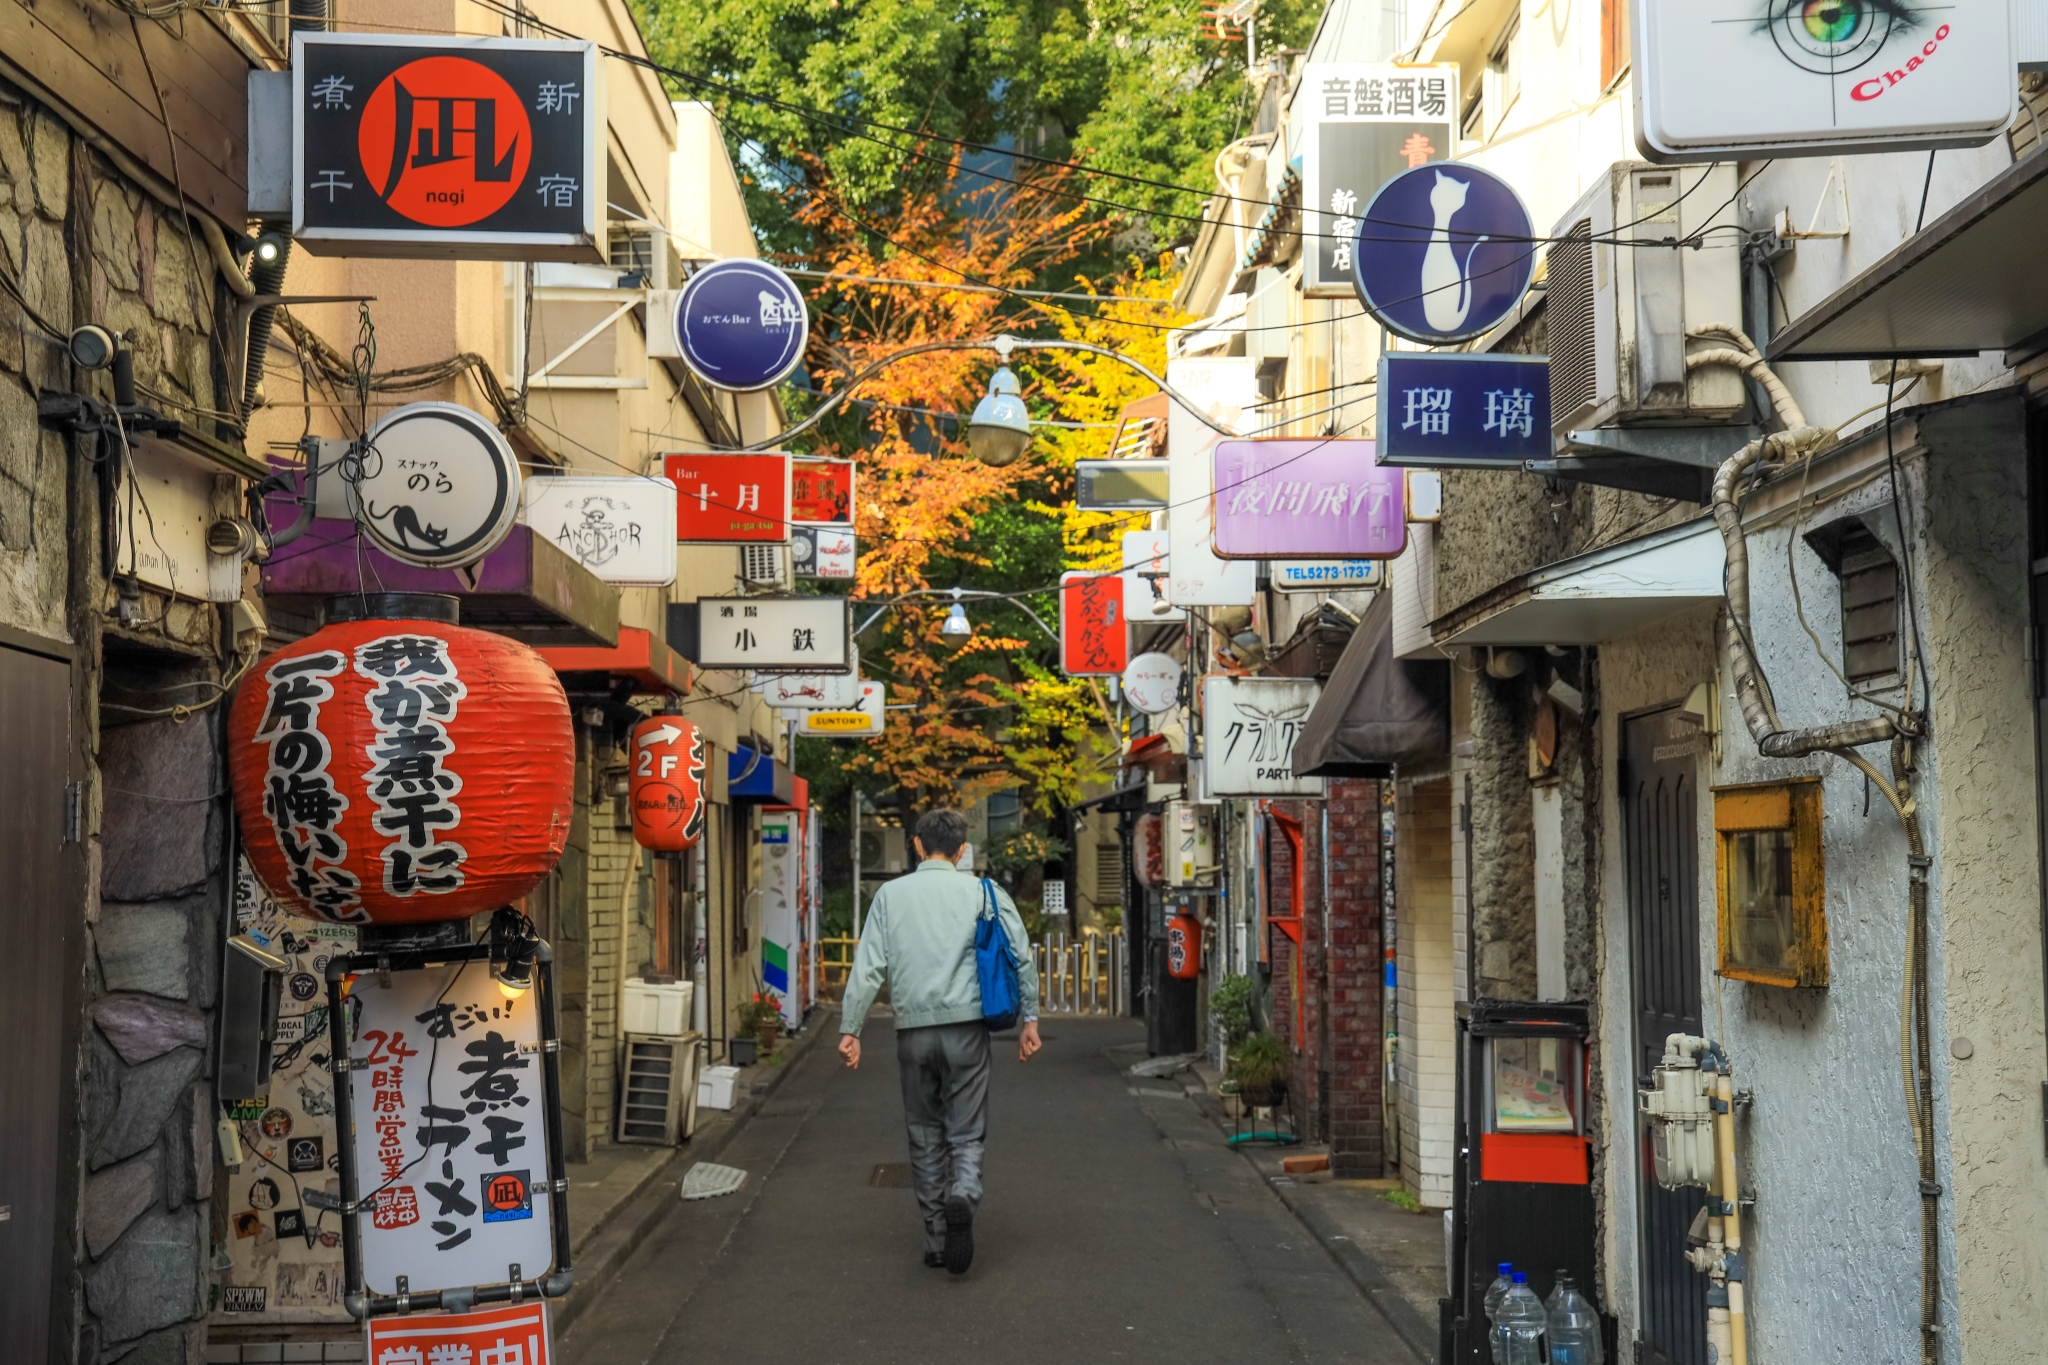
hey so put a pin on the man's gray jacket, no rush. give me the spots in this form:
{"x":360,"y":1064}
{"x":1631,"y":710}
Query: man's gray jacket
{"x":919,"y":935}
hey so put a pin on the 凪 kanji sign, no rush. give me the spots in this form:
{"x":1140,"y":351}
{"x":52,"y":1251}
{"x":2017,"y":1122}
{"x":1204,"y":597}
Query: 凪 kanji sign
{"x":485,"y":148}
{"x":1363,"y":124}
{"x":449,"y":1107}
{"x":774,"y":634}
{"x":730,"y":499}
{"x":514,"y":1334}
{"x":1449,"y":410}
{"x":1094,"y":636}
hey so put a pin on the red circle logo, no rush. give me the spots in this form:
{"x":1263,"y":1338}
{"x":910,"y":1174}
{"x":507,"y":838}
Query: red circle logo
{"x":445,"y":141}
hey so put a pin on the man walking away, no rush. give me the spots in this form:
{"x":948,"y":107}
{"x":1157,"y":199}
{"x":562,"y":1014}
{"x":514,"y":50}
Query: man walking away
{"x":919,"y":935}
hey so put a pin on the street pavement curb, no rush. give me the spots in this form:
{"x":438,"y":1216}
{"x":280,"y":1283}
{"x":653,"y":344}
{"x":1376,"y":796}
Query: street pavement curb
{"x":605,"y":1251}
{"x":1415,"y":1331}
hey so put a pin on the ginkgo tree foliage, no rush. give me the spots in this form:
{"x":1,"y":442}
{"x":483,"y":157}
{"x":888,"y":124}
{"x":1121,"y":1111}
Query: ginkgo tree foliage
{"x":1127,"y":86}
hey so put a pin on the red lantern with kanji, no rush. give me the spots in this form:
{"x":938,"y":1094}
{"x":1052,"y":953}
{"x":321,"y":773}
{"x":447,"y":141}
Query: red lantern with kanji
{"x":401,"y":769}
{"x":1184,"y":947}
{"x":667,"y":783}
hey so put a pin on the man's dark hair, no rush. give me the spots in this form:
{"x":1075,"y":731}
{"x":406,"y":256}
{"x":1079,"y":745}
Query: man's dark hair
{"x":941,"y":831}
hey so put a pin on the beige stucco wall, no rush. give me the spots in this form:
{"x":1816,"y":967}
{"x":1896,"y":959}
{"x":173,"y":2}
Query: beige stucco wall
{"x":1425,"y":871}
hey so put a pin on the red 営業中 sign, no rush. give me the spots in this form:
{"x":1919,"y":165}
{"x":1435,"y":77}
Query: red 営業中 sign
{"x":516,"y":1334}
{"x":821,"y":491}
{"x":1094,"y":636}
{"x":730,"y":499}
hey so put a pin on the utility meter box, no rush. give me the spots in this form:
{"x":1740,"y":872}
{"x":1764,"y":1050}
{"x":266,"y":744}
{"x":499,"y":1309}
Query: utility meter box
{"x":1190,"y":844}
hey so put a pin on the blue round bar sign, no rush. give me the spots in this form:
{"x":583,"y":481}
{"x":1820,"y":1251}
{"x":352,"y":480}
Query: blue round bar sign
{"x":1444,"y":252}
{"x":742,"y":325}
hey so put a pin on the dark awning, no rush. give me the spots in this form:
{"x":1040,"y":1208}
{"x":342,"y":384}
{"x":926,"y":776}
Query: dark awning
{"x":1376,"y":711}
{"x":1970,"y":282}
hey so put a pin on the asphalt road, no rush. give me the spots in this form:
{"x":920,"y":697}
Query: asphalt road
{"x":1116,"y":1226}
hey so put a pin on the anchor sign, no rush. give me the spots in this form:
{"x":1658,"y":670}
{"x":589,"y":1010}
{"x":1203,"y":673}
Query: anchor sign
{"x":1444,"y":253}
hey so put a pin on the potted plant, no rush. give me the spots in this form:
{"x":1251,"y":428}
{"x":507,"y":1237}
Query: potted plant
{"x":1260,"y":1066}
{"x":760,"y":1029}
{"x":1230,"y":1005}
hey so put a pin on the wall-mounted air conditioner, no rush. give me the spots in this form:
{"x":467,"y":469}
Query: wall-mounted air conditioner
{"x":1620,"y":301}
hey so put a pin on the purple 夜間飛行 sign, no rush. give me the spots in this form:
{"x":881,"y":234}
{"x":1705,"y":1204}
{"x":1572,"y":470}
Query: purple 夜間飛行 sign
{"x":1307,"y":499}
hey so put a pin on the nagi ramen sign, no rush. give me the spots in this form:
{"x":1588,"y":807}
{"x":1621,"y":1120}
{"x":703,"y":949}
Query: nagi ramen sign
{"x":484,"y":148}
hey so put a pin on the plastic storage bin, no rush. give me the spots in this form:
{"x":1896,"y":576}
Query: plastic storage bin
{"x":715,"y":1087}
{"x":650,"y":1007}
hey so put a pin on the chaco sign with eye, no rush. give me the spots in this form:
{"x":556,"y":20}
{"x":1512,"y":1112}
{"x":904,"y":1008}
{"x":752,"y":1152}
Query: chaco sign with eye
{"x":482,"y":148}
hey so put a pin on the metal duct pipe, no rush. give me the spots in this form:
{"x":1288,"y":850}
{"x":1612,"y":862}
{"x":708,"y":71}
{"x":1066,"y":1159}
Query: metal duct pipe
{"x":265,"y":277}
{"x":309,"y":16}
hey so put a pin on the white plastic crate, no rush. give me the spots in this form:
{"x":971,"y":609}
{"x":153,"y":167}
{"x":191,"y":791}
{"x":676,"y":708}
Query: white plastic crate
{"x":651,"y":1008}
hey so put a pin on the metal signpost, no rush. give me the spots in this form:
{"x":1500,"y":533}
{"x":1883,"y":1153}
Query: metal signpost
{"x":434,"y":484}
{"x":1309,"y":499}
{"x":742,"y":325}
{"x":477,"y":148}
{"x":775,"y":634}
{"x":618,"y":528}
{"x":730,"y":499}
{"x":1366,"y":123}
{"x":1463,"y":410}
{"x":1444,"y":253}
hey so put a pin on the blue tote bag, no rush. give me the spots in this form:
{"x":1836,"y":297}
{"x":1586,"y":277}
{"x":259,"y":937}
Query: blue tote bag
{"x":1000,"y":993}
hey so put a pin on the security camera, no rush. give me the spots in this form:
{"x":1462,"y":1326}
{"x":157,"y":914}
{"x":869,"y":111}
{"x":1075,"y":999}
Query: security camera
{"x":91,"y":347}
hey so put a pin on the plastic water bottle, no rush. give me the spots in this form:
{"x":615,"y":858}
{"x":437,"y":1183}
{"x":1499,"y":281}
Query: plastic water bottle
{"x":1521,"y":1325}
{"x":1496,"y":1293}
{"x":1574,"y":1328}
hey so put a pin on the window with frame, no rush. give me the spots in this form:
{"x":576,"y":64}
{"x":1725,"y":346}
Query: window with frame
{"x":1772,"y":883}
{"x":1503,"y":79}
{"x":1614,"y":40}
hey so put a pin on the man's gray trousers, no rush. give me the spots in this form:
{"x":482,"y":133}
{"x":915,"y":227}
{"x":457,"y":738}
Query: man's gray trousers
{"x":945,"y":1107}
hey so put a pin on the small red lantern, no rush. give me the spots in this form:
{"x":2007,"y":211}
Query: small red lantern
{"x":398,"y":768}
{"x":1184,"y":947}
{"x":1148,"y":844}
{"x":668,"y":783}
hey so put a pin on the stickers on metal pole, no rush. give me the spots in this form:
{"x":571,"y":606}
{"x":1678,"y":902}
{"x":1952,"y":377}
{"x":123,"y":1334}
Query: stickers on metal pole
{"x":741,"y":325}
{"x":1445,"y":253}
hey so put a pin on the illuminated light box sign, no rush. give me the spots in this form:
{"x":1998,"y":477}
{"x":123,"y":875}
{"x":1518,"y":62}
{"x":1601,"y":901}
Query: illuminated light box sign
{"x":1222,"y":388}
{"x":618,"y":528}
{"x":774,"y":634}
{"x":474,"y":148}
{"x":1249,"y":729}
{"x":730,"y":499}
{"x":812,"y":691}
{"x":1445,"y":253}
{"x":821,"y":492}
{"x":1145,"y":576}
{"x":1120,"y":485}
{"x":1365,"y":123}
{"x":1307,"y":499}
{"x":1724,"y":79}
{"x":741,"y":325}
{"x":864,"y":720}
{"x":823,"y":551}
{"x":1328,"y":575}
{"x":1094,"y":636}
{"x":1462,"y":410}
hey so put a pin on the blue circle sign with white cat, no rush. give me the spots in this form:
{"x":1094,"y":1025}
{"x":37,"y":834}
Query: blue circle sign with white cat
{"x":741,"y":325}
{"x":1444,"y":252}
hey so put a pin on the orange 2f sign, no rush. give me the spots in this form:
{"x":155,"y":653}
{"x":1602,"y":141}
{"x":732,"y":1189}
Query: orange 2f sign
{"x":1094,"y":636}
{"x":730,"y":499}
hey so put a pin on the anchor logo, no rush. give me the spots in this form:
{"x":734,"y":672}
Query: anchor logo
{"x":1446,"y":282}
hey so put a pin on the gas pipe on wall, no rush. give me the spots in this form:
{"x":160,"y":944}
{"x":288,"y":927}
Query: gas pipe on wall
{"x":1691,"y":1108}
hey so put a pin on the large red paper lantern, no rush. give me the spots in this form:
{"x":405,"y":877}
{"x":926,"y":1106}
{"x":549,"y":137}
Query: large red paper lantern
{"x":401,"y":769}
{"x":667,"y":792}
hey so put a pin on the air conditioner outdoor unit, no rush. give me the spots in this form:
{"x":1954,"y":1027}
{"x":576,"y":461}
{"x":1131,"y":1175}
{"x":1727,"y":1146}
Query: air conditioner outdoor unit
{"x":765,"y":566}
{"x":1619,"y":310}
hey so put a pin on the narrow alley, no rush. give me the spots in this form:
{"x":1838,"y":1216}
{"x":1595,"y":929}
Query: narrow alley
{"x":1118,"y":1225}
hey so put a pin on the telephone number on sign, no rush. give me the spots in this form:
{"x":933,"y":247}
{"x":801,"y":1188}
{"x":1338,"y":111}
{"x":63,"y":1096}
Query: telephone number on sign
{"x":1327,"y":573}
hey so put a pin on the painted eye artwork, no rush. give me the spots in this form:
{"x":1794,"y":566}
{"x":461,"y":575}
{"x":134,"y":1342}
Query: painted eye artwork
{"x":1830,"y":37}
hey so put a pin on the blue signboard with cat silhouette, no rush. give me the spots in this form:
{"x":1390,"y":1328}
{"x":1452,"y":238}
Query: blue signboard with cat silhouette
{"x":1445,"y":252}
{"x":741,"y":325}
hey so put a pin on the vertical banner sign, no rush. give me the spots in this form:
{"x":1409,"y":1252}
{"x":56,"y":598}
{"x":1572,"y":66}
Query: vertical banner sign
{"x":730,"y":499}
{"x":284,"y":1202}
{"x":615,"y":527}
{"x":1314,"y":499}
{"x":1223,"y":389}
{"x":1094,"y":637}
{"x":474,"y":148}
{"x":511,"y":1334}
{"x":781,"y":874}
{"x":666,"y":788}
{"x":1462,"y":409}
{"x":1364,"y":125}
{"x":821,"y":492}
{"x":450,"y":1130}
{"x":1249,"y":728}
{"x":1145,"y":574}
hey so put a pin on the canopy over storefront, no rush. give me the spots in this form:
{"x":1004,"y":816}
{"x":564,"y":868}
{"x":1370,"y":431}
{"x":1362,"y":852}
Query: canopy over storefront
{"x":1376,"y":711}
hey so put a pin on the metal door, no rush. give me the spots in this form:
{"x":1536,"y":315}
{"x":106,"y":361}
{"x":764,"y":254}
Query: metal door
{"x":1660,"y":777}
{"x":37,"y":922}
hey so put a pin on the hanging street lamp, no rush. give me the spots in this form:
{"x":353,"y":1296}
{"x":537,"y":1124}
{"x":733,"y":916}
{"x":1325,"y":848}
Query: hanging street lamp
{"x":1000,"y":429}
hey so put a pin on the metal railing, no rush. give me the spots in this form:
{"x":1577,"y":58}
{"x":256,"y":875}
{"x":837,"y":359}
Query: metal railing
{"x":835,"y":964}
{"x":1082,"y":976}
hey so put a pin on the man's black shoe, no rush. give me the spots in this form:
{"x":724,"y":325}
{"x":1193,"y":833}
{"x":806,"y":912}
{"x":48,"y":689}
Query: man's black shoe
{"x":959,"y":1252}
{"x":934,"y":1260}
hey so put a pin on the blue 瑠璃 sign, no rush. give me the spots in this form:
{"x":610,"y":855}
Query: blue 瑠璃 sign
{"x":742,"y":325}
{"x":1444,"y":252}
{"x":1457,"y":409}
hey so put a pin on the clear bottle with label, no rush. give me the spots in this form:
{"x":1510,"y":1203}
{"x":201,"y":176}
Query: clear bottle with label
{"x":1573,"y":1327}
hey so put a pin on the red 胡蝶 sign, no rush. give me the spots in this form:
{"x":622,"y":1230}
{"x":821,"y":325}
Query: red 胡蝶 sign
{"x":516,"y":1334}
{"x":821,"y":492}
{"x":1094,"y":637}
{"x":730,"y":499}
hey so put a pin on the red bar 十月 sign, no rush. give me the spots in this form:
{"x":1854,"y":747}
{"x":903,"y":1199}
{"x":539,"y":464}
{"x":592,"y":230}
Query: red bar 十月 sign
{"x":1094,"y":636}
{"x":730,"y":499}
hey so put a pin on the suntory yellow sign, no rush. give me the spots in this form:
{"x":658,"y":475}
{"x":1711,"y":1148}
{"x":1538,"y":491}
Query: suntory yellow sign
{"x":839,"y":720}
{"x":846,"y":723}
